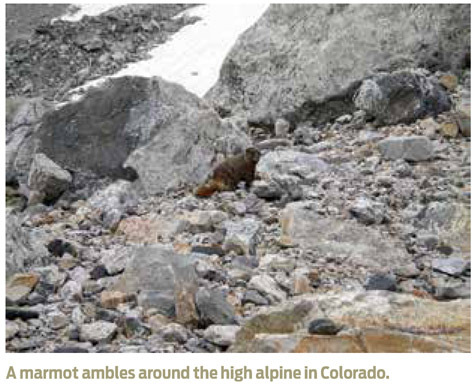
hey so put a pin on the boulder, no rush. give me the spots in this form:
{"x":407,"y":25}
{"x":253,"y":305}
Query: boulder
{"x":155,"y":268}
{"x":304,"y":62}
{"x":401,"y":97}
{"x":135,"y":127}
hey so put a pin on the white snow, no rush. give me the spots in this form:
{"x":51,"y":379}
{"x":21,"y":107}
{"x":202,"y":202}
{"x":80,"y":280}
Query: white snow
{"x":193,"y":56}
{"x":87,"y":9}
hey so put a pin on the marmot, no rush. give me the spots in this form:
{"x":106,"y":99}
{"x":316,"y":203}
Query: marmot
{"x":227,"y":175}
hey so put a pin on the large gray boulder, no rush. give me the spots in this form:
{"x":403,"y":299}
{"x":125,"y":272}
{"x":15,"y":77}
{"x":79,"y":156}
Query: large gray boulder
{"x":305,"y":62}
{"x":169,"y":274}
{"x":133,"y":127}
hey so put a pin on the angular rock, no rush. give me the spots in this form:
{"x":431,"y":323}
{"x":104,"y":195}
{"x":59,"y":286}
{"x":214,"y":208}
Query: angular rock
{"x":47,"y":178}
{"x":150,"y":229}
{"x":410,"y":148}
{"x":114,"y":202}
{"x":451,"y":266}
{"x":267,"y":287}
{"x":19,"y":287}
{"x":162,"y":302}
{"x":401,"y":97}
{"x":252,"y":296}
{"x":368,"y":212}
{"x":111,"y":299}
{"x":203,"y":220}
{"x":277,"y":163}
{"x":221,"y":335}
{"x":213,"y":308}
{"x":155,"y":268}
{"x":242,"y":236}
{"x":98,"y":332}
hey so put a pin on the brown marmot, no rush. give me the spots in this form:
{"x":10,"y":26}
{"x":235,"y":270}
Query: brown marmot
{"x":227,"y":175}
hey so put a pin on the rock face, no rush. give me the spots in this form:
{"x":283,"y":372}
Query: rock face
{"x":135,"y":127}
{"x":305,"y":62}
{"x":347,"y":239}
{"x":377,"y":321}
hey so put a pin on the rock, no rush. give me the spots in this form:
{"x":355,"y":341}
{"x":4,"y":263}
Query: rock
{"x":111,"y":299}
{"x":327,"y":56}
{"x":430,"y":127}
{"x":157,"y":322}
{"x":242,"y":236}
{"x":156,"y":268}
{"x":21,"y":313}
{"x":114,"y":260}
{"x":19,"y":287}
{"x":21,"y":246}
{"x":71,"y":291}
{"x":173,"y":332}
{"x":98,"y":332}
{"x":407,"y":271}
{"x":203,"y":220}
{"x":150,"y":229}
{"x":281,"y":128}
{"x":463,"y":122}
{"x":162,"y":301}
{"x":267,"y":287}
{"x":272,"y":144}
{"x":449,"y":82}
{"x":452,"y":293}
{"x":221,"y":335}
{"x":11,"y":329}
{"x":47,"y":178}
{"x":451,"y":223}
{"x":451,"y":266}
{"x":213,"y":308}
{"x":357,"y":244}
{"x":381,"y":282}
{"x":267,"y":189}
{"x":59,"y":248}
{"x":410,"y":148}
{"x":254,"y":297}
{"x":368,"y":212}
{"x":401,"y":97}
{"x":114,"y":202}
{"x":449,"y":129}
{"x":127,"y":143}
{"x":57,"y":320}
{"x":323,"y":326}
{"x":385,"y":321}
{"x":277,"y":163}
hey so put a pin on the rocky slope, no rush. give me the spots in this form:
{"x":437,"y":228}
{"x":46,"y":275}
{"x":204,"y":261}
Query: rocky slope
{"x":355,"y":237}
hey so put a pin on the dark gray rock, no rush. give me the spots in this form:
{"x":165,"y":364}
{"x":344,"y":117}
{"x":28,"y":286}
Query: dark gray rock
{"x":304,"y":62}
{"x":323,"y":326}
{"x":22,"y":313}
{"x":383,"y":282}
{"x":213,"y":308}
{"x":133,"y":127}
{"x":163,"y":302}
{"x":401,"y":97}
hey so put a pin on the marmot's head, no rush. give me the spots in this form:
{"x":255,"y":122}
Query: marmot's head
{"x":253,"y":154}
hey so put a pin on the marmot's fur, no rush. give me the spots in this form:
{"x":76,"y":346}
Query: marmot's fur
{"x":227,"y":175}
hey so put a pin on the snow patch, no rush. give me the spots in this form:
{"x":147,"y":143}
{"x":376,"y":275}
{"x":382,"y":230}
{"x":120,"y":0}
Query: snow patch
{"x":193,"y":56}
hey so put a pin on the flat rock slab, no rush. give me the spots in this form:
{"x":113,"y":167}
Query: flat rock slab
{"x":347,"y":239}
{"x":410,"y":148}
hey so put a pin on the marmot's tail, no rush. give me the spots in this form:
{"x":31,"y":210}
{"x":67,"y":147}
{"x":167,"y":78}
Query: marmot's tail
{"x":209,"y":188}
